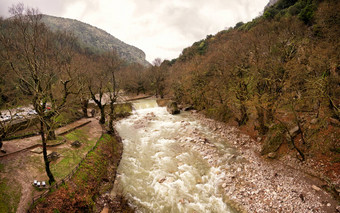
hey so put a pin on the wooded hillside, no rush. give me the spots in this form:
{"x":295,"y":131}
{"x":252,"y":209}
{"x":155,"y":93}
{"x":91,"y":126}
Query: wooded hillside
{"x":277,"y":77}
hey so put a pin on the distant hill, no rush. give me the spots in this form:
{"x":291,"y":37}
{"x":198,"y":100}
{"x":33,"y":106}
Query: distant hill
{"x":95,"y":39}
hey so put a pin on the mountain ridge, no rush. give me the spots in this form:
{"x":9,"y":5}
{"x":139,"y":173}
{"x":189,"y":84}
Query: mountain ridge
{"x":96,"y":39}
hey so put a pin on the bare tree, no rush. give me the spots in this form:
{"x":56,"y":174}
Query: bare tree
{"x":97,"y":86}
{"x":41,"y":60}
{"x":157,"y":77}
{"x":113,"y":63}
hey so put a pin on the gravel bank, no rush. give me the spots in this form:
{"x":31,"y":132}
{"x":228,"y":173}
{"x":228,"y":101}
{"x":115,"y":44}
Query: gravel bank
{"x":257,"y":184}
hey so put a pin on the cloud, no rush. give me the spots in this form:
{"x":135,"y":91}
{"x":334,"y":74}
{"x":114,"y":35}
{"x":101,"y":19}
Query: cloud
{"x":161,"y":28}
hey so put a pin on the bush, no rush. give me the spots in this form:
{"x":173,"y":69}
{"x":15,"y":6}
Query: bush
{"x":270,"y":13}
{"x":276,"y":136}
{"x":239,"y":24}
{"x":285,"y":4}
{"x":307,"y":14}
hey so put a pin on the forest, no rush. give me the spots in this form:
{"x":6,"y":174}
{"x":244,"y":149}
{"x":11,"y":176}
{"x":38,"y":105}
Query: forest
{"x":277,"y":77}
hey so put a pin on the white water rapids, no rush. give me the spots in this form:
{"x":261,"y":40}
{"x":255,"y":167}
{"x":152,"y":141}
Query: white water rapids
{"x":159,"y":173}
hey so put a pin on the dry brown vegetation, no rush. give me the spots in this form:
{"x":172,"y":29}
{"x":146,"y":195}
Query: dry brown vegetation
{"x":278,"y":73}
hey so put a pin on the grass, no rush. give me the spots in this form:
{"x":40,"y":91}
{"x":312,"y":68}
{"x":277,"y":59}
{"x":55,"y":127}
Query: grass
{"x":37,"y":162}
{"x":95,"y":164}
{"x":9,"y":196}
{"x":122,"y":110}
{"x":72,"y":156}
{"x":57,"y":141}
{"x":2,"y":167}
{"x":86,"y":182}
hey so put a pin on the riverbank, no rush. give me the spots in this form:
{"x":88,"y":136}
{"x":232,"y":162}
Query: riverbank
{"x":93,"y":178}
{"x":263,"y":185}
{"x":19,"y":168}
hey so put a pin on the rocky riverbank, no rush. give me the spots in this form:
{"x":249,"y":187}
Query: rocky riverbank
{"x":257,"y":184}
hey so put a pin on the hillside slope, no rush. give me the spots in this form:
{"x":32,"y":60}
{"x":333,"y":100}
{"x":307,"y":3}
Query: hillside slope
{"x":277,"y":78}
{"x":95,"y":39}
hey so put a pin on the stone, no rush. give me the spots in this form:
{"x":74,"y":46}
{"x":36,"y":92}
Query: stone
{"x":224,"y":185}
{"x":294,"y":131}
{"x":271,"y":155}
{"x":328,"y":204}
{"x":37,"y":150}
{"x":188,"y":108}
{"x":53,"y":156}
{"x":76,"y":144}
{"x":316,"y":188}
{"x":162,"y":180}
{"x":172,"y":108}
{"x":314,"y":121}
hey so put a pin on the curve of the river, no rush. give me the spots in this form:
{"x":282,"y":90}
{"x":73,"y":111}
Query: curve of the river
{"x":160,"y":172}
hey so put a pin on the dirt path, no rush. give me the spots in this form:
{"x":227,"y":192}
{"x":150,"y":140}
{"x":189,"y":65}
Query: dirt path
{"x":22,"y":170}
{"x":19,"y":144}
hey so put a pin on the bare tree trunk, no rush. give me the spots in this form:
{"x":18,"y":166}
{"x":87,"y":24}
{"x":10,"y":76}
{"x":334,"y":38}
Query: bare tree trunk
{"x":51,"y":135}
{"x":111,"y":118}
{"x":244,"y":115}
{"x":298,"y":122}
{"x":102,"y":114}
{"x":263,"y":129}
{"x":84,"y":106}
{"x":47,"y":163}
{"x":50,"y":131}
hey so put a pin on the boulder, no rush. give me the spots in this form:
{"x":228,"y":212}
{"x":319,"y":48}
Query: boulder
{"x":37,"y":150}
{"x":162,"y":180}
{"x":316,"y":188}
{"x":172,"y":108}
{"x":274,"y":139}
{"x":188,"y":108}
{"x":76,"y":144}
{"x":294,"y":131}
{"x":53,"y":156}
{"x":271,"y":155}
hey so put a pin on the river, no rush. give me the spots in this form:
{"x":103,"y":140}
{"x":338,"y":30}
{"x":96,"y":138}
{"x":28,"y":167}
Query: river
{"x":162,"y":170}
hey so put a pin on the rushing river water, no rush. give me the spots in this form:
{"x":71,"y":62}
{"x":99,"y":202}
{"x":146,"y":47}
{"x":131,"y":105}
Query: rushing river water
{"x":158,"y":172}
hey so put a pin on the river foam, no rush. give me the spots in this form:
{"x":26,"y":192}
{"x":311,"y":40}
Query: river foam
{"x":159,"y":172}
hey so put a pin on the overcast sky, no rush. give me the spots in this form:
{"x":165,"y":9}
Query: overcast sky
{"x":161,"y":28}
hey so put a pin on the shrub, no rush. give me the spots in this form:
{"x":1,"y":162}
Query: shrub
{"x":307,"y":13}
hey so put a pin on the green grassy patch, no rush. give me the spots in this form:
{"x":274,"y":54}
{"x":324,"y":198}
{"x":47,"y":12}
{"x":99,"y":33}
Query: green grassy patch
{"x":68,"y":116}
{"x":123,"y":110}
{"x":95,"y":164}
{"x":78,"y":134}
{"x":70,"y":157}
{"x":80,"y":194}
{"x":55,"y":142}
{"x":37,"y":161}
{"x":2,"y":167}
{"x":9,"y":196}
